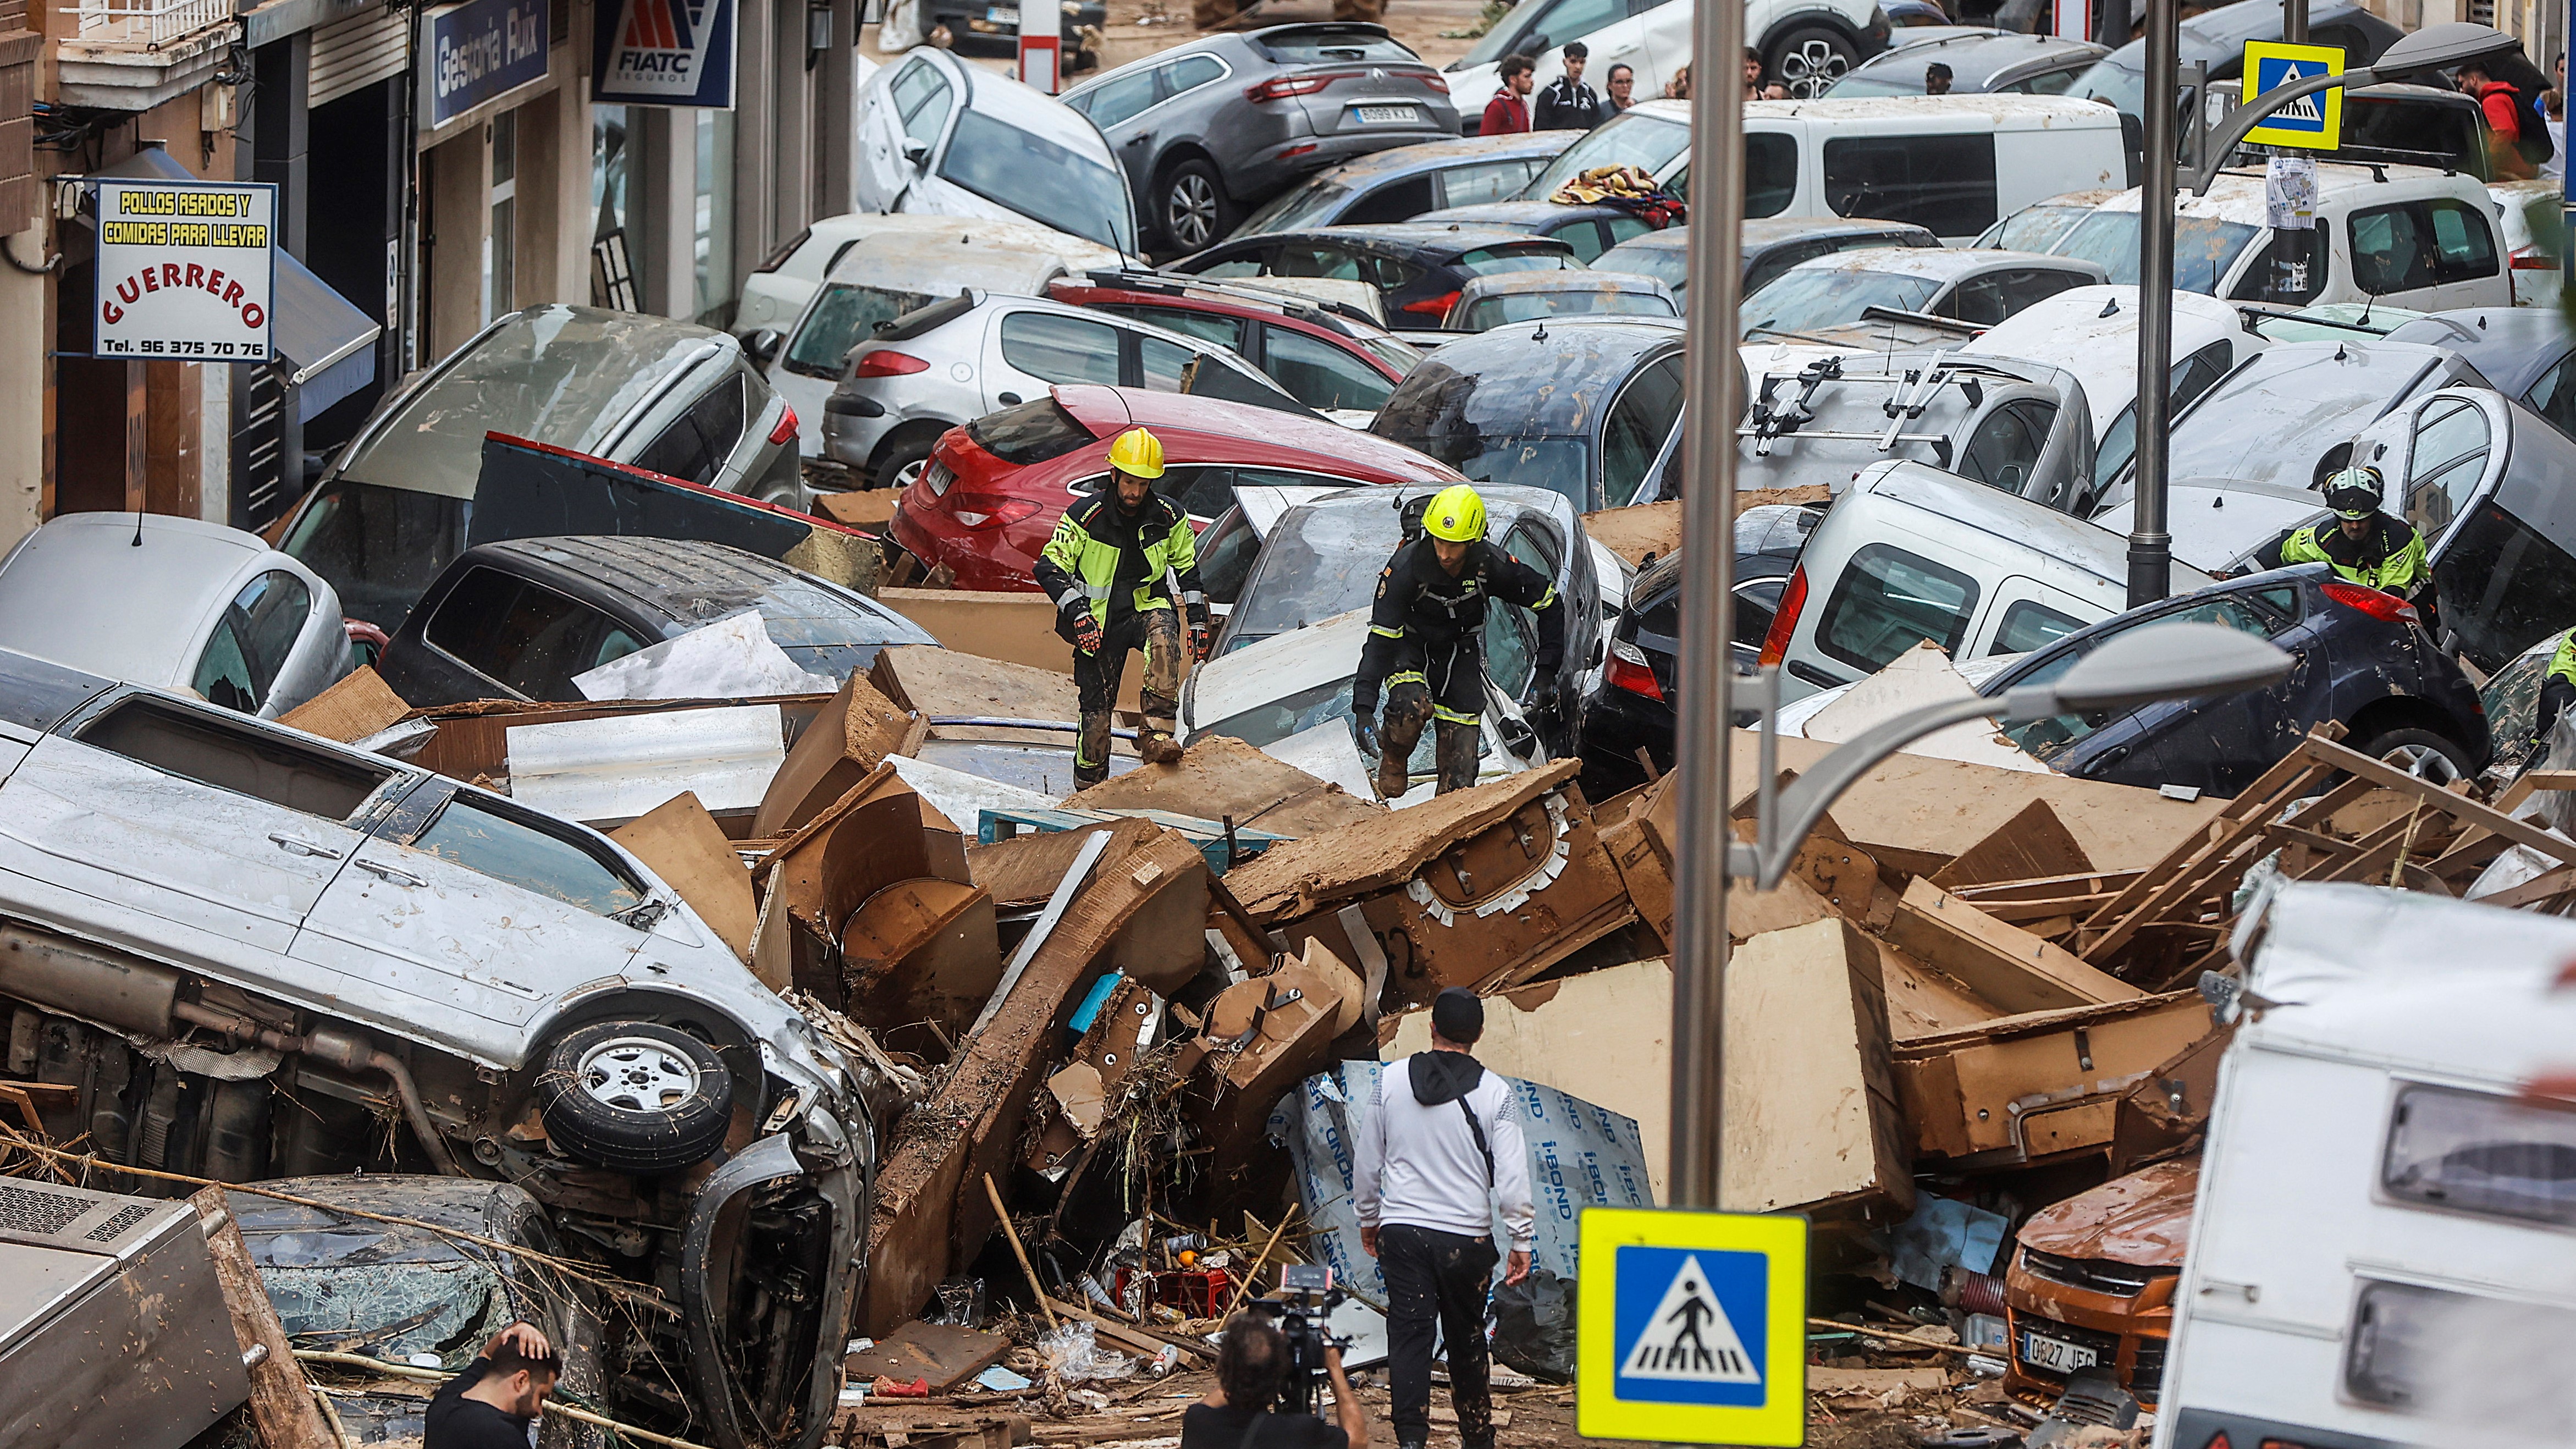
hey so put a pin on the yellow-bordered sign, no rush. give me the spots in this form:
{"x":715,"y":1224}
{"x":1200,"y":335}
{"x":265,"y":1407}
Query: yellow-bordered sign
{"x":2314,"y":121}
{"x":1692,"y":1327}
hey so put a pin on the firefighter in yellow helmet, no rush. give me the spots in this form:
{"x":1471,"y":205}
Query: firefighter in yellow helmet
{"x":1426,"y":642}
{"x":1114,"y":566}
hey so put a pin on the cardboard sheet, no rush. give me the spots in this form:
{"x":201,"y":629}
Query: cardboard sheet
{"x":685,"y":847}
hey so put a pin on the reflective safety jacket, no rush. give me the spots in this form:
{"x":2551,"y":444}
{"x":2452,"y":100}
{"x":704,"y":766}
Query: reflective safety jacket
{"x":1421,"y":607}
{"x":2390,"y":556}
{"x":1117,"y":565}
{"x":2562,"y":665}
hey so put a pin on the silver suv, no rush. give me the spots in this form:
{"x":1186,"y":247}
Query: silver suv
{"x":245,"y":952}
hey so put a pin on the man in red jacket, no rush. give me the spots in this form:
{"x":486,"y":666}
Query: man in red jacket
{"x":2502,"y":105}
{"x":1508,"y":112}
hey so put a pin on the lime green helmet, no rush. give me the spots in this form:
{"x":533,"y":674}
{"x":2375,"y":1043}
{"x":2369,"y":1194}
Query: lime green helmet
{"x":1456,"y":514}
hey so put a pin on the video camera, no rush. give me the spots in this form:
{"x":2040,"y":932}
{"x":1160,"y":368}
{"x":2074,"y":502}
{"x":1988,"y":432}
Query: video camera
{"x":1307,"y":1296}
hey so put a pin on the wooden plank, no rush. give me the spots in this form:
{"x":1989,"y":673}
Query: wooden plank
{"x":2104,"y":883}
{"x":2510,"y":802}
{"x":280,"y":1405}
{"x":2032,"y":843}
{"x":2002,"y":963}
{"x":946,"y":1354}
{"x":2026,"y":913}
{"x":2539,"y":780}
{"x":2458,"y":807}
{"x":2183,"y":876}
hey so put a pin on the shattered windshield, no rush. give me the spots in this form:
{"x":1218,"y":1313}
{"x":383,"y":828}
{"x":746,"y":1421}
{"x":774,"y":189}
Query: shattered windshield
{"x":1632,"y":138}
{"x":1317,"y":562}
{"x":1804,"y":299}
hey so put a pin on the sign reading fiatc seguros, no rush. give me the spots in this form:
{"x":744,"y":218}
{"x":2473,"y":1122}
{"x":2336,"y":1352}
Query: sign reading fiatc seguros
{"x":185,"y":270}
{"x":663,"y":53}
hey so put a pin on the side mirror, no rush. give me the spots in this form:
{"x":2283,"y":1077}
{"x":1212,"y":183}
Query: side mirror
{"x":917,"y":152}
{"x":1535,"y":44}
{"x":763,"y":345}
{"x":1517,"y":735}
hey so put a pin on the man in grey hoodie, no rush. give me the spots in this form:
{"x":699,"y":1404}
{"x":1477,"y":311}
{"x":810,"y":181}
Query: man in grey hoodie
{"x":1439,"y":1151}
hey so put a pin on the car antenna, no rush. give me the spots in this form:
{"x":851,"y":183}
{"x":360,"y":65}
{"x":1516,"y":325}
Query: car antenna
{"x":137,"y":541}
{"x":1114,"y":243}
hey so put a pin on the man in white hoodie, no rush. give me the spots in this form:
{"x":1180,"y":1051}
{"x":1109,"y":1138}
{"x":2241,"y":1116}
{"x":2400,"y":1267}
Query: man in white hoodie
{"x":1439,"y":1150}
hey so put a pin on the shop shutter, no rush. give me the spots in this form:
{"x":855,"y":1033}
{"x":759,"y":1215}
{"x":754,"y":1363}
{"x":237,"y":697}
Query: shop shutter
{"x":358,"y":52}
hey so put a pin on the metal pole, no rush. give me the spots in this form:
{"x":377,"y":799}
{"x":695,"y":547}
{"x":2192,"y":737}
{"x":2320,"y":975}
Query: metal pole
{"x":2294,"y":22}
{"x":2150,"y":545}
{"x":1708,"y":531}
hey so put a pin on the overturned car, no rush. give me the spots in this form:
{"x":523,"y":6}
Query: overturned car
{"x":237,"y":951}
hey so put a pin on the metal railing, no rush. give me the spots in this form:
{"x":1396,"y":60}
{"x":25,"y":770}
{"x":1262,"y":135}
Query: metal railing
{"x":148,"y":22}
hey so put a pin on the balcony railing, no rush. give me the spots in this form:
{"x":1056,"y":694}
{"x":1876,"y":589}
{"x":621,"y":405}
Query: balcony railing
{"x":148,"y":22}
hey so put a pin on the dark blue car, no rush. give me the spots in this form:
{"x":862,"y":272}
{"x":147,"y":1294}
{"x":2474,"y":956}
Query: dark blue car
{"x":2363,"y":660}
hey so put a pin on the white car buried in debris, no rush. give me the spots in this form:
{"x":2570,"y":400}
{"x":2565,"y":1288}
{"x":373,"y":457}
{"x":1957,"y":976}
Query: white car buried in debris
{"x":249,"y":952}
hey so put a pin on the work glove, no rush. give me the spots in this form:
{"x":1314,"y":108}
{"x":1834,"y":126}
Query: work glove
{"x":1544,"y":701}
{"x":1202,"y":639}
{"x":1086,"y":633}
{"x":1364,"y":730}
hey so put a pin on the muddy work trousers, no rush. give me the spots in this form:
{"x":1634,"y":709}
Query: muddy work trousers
{"x":1437,"y":1280}
{"x":1096,"y":678}
{"x":1444,"y":687}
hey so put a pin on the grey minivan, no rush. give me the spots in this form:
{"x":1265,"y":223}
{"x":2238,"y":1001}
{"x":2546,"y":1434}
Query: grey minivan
{"x":671,"y":397}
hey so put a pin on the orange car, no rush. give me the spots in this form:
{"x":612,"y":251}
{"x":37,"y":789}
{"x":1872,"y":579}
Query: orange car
{"x":2092,"y":1283}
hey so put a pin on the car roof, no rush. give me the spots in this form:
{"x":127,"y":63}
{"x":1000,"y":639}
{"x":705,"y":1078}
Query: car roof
{"x":2238,"y":194}
{"x":2055,"y":542}
{"x":1573,"y":280}
{"x":1774,"y":230}
{"x":1940,"y":264}
{"x":39,"y":694}
{"x":1104,"y":412}
{"x":2073,"y":330}
{"x":1980,"y":53}
{"x":1525,"y":382}
{"x":1024,"y":106}
{"x":171,"y":577}
{"x":2513,"y":346}
{"x":982,"y":301}
{"x":1222,"y":294}
{"x":1515,"y":213}
{"x":1445,"y":237}
{"x":1439,"y":155}
{"x":944,"y":255}
{"x":2005,"y":109}
{"x":691,"y":580}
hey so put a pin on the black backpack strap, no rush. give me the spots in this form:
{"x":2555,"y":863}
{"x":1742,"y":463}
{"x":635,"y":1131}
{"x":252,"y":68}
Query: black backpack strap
{"x":1477,"y":1129}
{"x":1253,"y":1429}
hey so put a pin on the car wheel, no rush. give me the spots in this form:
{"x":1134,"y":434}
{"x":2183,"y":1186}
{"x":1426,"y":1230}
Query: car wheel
{"x":1195,"y":213}
{"x":2421,"y":753}
{"x":1810,"y":58}
{"x":903,"y":461}
{"x":631,"y":1096}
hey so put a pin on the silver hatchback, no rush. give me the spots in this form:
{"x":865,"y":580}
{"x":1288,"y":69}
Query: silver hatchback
{"x":954,"y":361}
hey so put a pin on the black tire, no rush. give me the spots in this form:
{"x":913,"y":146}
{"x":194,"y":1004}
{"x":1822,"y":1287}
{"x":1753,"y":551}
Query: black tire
{"x":1809,"y":58}
{"x":634,"y":1097}
{"x":902,"y":453}
{"x":1191,"y":209}
{"x":2414,"y":745}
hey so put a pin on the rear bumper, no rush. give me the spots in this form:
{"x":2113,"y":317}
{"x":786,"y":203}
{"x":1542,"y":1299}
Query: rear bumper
{"x":1617,"y":724}
{"x":772,"y":1254}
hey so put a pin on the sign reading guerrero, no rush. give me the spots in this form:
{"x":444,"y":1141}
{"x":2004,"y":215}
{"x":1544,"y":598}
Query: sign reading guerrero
{"x":185,"y":269}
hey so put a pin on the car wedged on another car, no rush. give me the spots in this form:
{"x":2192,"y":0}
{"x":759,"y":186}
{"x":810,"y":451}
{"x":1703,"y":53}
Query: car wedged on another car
{"x":1979,"y":62}
{"x":1403,"y":184}
{"x":994,"y":489}
{"x":1216,"y":126}
{"x":1418,"y":269}
{"x":940,"y":137}
{"x":669,"y":397}
{"x":250,"y":950}
{"x":521,"y":619}
{"x":1772,"y":245}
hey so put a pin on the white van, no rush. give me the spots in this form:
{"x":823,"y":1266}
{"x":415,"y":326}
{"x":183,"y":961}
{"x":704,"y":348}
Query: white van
{"x":2397,"y":236}
{"x":1911,"y":553}
{"x":1950,"y":164}
{"x":2383,"y":1248}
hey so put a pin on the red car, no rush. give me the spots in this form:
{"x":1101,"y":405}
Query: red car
{"x":995,"y":487}
{"x":1326,"y":356}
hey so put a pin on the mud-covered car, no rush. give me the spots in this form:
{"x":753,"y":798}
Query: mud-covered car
{"x":2092,"y":1281}
{"x":254,"y":953}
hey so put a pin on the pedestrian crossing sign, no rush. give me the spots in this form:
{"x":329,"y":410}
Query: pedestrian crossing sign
{"x":2315,"y":120}
{"x":1692,"y":1327}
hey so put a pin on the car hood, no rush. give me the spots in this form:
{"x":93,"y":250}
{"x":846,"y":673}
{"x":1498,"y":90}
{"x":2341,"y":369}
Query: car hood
{"x":2143,"y":1219}
{"x":1276,"y":667}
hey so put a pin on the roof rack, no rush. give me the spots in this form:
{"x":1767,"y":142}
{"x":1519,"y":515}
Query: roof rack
{"x":1914,"y":389}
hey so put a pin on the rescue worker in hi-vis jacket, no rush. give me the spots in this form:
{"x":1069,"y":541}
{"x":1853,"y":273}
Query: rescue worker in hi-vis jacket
{"x":1426,"y":643}
{"x":1113,"y":567}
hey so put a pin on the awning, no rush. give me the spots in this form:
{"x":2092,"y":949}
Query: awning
{"x":325,"y":342}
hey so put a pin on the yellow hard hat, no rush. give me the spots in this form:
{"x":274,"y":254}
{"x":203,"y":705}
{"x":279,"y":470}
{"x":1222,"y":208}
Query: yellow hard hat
{"x":1456,"y":514}
{"x":1138,"y":452}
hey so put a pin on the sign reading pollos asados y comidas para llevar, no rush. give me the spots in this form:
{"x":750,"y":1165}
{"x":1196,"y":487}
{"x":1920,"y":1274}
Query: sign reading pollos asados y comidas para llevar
{"x":663,"y":53}
{"x":185,"y":270}
{"x":474,"y":52}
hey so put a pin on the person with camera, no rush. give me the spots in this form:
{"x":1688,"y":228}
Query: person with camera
{"x":1441,"y":1147}
{"x":1252,"y":1368}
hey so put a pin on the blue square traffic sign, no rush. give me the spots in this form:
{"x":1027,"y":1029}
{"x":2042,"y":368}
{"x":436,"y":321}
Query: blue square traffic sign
{"x":1692,"y":1327}
{"x":1678,"y":1339}
{"x":2312,"y":122}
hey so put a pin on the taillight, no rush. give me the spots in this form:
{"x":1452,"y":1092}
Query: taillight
{"x":1434,"y":306}
{"x":786,"y":426}
{"x":1282,"y":87}
{"x":989,"y":510}
{"x":1629,"y":670}
{"x":2533,"y":259}
{"x":1793,"y":601}
{"x":2387,"y":608}
{"x":1432,"y":81}
{"x":889,"y":364}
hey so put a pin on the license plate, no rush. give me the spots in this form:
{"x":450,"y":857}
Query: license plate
{"x":1003,"y":15}
{"x":2056,"y":1355}
{"x":1381,"y":115}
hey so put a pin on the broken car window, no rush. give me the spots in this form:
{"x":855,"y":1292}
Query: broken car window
{"x":1888,"y":601}
{"x":1032,"y":432}
{"x":244,"y":760}
{"x":509,"y":850}
{"x":2476,"y":1152}
{"x":524,"y":635}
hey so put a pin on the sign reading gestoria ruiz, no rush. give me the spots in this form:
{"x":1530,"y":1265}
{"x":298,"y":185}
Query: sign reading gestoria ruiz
{"x":185,"y":270}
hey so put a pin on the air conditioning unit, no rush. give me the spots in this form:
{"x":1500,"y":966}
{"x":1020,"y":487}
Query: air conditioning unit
{"x":113,"y":1329}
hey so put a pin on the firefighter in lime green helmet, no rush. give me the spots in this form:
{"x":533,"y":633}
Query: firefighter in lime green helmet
{"x":2366,"y":546}
{"x":1113,"y":567}
{"x":1426,"y":643}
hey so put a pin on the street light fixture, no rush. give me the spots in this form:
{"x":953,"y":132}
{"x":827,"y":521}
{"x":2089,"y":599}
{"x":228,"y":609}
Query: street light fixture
{"x":2160,"y":661}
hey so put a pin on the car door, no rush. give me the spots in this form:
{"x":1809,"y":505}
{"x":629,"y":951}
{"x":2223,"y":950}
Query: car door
{"x":2430,"y":255}
{"x":1633,"y":431}
{"x":2004,"y":448}
{"x":1036,"y":348}
{"x":1663,"y":32}
{"x":912,"y":103}
{"x":1319,"y":374}
{"x":185,"y":829}
{"x":1115,"y":102}
{"x":926,"y":101}
{"x":474,"y":906}
{"x":2219,"y":745}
